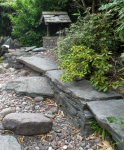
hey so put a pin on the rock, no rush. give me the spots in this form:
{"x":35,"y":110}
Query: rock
{"x":14,"y":45}
{"x":8,"y":142}
{"x":6,"y":111}
{"x":31,"y":86}
{"x":49,"y":115}
{"x":6,"y":65}
{"x":41,"y":49}
{"x":81,"y":89}
{"x":18,"y":66}
{"x":39,"y":99}
{"x":54,"y":110}
{"x":7,"y":42}
{"x":65,"y":147}
{"x":27,"y":123}
{"x":39,"y":64}
{"x":3,"y":57}
{"x":12,"y":69}
{"x":1,"y":40}
{"x":24,"y":73}
{"x":30,"y":48}
{"x":2,"y":70}
{"x":103,"y":109}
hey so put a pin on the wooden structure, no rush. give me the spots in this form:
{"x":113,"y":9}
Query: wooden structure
{"x":54,"y":17}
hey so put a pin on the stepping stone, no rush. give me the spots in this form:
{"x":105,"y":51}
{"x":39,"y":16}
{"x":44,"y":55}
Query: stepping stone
{"x":29,"y":48}
{"x":31,"y":86}
{"x":103,"y":109}
{"x":41,"y":49}
{"x":8,"y":142}
{"x":81,"y":89}
{"x":27,"y":123}
{"x":39,"y":64}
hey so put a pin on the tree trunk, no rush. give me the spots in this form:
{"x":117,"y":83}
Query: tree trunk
{"x":93,"y":6}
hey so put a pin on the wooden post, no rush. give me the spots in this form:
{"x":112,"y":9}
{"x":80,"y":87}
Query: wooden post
{"x":48,"y":31}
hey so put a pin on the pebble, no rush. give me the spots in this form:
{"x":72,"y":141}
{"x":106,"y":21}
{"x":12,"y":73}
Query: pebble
{"x":65,"y":147}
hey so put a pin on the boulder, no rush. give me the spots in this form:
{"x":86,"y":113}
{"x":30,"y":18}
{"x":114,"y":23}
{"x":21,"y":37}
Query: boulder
{"x":31,"y":86}
{"x":27,"y":123}
{"x":8,"y":142}
{"x":8,"y":41}
{"x":14,"y":44}
{"x":39,"y":64}
{"x":103,"y":109}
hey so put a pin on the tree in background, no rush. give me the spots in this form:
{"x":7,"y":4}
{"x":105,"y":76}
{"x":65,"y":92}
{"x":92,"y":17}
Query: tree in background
{"x":5,"y":24}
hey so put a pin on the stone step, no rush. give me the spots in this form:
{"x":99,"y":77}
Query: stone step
{"x":9,"y":143}
{"x":27,"y":123}
{"x":31,"y":86}
{"x":38,"y":64}
{"x":103,"y":109}
{"x":81,"y":89}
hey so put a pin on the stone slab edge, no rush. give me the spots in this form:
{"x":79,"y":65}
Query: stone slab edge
{"x":104,"y":123}
{"x":67,"y":88}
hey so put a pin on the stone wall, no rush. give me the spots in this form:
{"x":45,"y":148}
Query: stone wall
{"x":75,"y":109}
{"x":50,"y":42}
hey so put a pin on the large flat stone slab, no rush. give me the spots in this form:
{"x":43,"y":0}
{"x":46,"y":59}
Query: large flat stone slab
{"x":103,"y":109}
{"x":27,"y":123}
{"x":82,"y":89}
{"x":31,"y":86}
{"x":9,"y":143}
{"x":39,"y":64}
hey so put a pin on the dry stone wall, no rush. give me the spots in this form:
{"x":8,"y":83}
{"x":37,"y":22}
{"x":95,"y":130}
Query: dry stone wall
{"x":50,"y":42}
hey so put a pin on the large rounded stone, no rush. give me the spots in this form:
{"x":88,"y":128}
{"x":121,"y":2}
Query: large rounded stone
{"x":27,"y":123}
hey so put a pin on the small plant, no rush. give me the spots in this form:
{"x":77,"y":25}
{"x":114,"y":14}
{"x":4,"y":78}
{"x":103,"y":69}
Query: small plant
{"x":1,"y":61}
{"x":97,"y":129}
{"x":120,"y":122}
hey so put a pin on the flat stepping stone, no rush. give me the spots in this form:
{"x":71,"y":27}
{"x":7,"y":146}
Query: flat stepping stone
{"x":27,"y":123}
{"x":103,"y":109}
{"x":81,"y":89}
{"x":31,"y":86}
{"x":29,"y":48}
{"x":41,"y":49}
{"x":39,"y":64}
{"x":9,"y":143}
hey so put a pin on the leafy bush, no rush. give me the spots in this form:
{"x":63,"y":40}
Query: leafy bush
{"x":118,"y":7}
{"x":85,"y":51}
{"x":5,"y":23}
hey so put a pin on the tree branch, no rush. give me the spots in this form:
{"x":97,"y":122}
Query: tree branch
{"x":79,"y":5}
{"x":83,"y":2}
{"x":84,"y":8}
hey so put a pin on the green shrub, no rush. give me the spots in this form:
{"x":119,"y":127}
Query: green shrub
{"x":117,"y":6}
{"x":85,"y":51}
{"x":5,"y":23}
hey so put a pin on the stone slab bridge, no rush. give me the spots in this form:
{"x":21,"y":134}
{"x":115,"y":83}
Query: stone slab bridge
{"x":78,"y":100}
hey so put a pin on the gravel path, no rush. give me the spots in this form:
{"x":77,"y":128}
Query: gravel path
{"x":62,"y":136}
